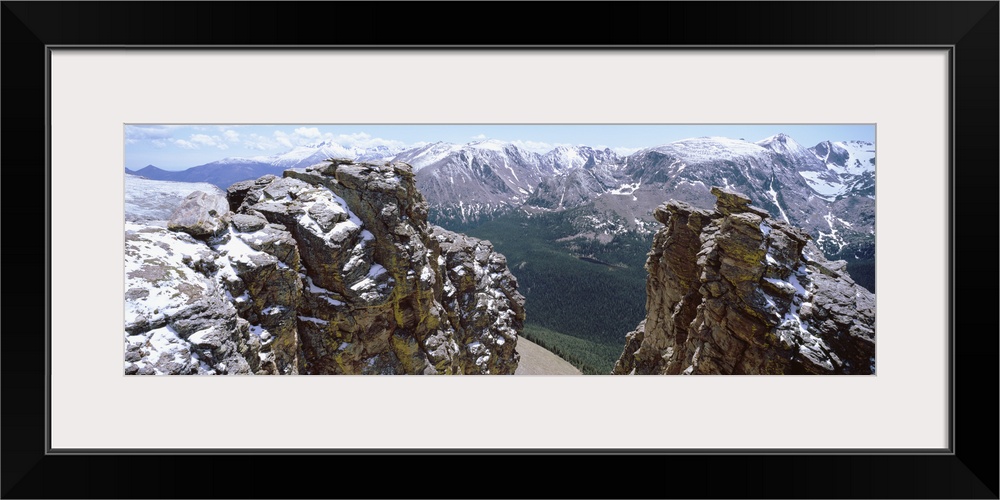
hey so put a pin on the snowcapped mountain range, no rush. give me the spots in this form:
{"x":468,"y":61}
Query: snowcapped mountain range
{"x":828,"y":189}
{"x":481,"y":179}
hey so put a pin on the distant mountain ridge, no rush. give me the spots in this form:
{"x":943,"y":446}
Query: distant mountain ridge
{"x":482,"y":179}
{"x":827,"y":189}
{"x":227,"y":171}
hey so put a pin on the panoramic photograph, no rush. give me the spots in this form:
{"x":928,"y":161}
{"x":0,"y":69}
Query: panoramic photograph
{"x":478,"y":249}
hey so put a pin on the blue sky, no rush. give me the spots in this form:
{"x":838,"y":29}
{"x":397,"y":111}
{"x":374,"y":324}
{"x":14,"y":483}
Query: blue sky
{"x":177,"y":147}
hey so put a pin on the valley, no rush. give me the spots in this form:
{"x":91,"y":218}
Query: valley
{"x":575,"y":308}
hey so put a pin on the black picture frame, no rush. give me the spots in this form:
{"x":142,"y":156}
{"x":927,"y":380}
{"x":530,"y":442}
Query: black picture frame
{"x":968,"y":29}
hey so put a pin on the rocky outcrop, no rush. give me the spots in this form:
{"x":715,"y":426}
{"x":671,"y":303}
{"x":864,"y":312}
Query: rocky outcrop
{"x":177,"y":316}
{"x":331,"y":269}
{"x":201,"y":215}
{"x":732,"y":291}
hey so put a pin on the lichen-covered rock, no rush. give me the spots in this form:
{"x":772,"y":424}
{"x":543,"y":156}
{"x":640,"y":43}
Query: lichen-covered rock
{"x":732,"y":291}
{"x":333,"y":269}
{"x":481,"y":302}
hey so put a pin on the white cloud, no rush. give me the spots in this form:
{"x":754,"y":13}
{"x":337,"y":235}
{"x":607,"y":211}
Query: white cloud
{"x":283,"y":139}
{"x":181,"y":143}
{"x":280,"y":140}
{"x":359,"y":140}
{"x":478,"y":137}
{"x":259,"y":142}
{"x":308,"y":133}
{"x":209,"y":140}
{"x":134,"y":133}
{"x":203,"y":139}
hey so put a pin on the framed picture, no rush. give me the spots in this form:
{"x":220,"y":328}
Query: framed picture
{"x":923,"y":73}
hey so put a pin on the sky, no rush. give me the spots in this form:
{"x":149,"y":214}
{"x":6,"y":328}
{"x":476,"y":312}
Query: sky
{"x":177,"y":147}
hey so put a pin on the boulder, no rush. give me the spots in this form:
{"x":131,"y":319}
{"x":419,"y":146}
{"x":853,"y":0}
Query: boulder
{"x":201,"y":215}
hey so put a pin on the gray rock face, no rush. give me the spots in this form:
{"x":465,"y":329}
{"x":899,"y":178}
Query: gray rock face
{"x":732,"y":291}
{"x":332,"y":269}
{"x":201,"y":215}
{"x":178,"y":319}
{"x":479,"y":294}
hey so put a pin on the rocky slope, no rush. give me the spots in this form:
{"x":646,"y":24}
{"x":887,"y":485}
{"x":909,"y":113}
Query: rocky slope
{"x":827,"y":190}
{"x":477,"y":180}
{"x":331,"y":269}
{"x":734,"y":291}
{"x":480,"y":180}
{"x":537,"y":360}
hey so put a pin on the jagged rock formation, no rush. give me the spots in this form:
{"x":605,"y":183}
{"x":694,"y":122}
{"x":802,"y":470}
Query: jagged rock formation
{"x":733,"y":291}
{"x":331,"y":269}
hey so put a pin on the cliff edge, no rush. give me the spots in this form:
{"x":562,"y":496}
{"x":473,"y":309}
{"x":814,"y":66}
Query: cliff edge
{"x":330,"y":269}
{"x":732,"y":291}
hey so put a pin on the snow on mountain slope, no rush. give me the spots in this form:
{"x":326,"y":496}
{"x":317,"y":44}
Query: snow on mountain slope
{"x":152,"y":200}
{"x":490,"y":144}
{"x":303,"y":156}
{"x":703,"y":149}
{"x":850,"y":157}
{"x":848,"y":167}
{"x":827,"y":186}
{"x":785,"y":145}
{"x":566,"y":157}
{"x":487,"y":177}
{"x":477,"y":179}
{"x":423,"y":156}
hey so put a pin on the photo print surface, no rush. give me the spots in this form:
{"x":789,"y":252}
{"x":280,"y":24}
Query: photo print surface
{"x":310,"y":249}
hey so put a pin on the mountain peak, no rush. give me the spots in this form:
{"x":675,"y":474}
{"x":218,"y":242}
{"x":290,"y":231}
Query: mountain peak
{"x":492,"y":144}
{"x":321,"y":144}
{"x":779,"y":138}
{"x":782,"y":144}
{"x":706,"y":149}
